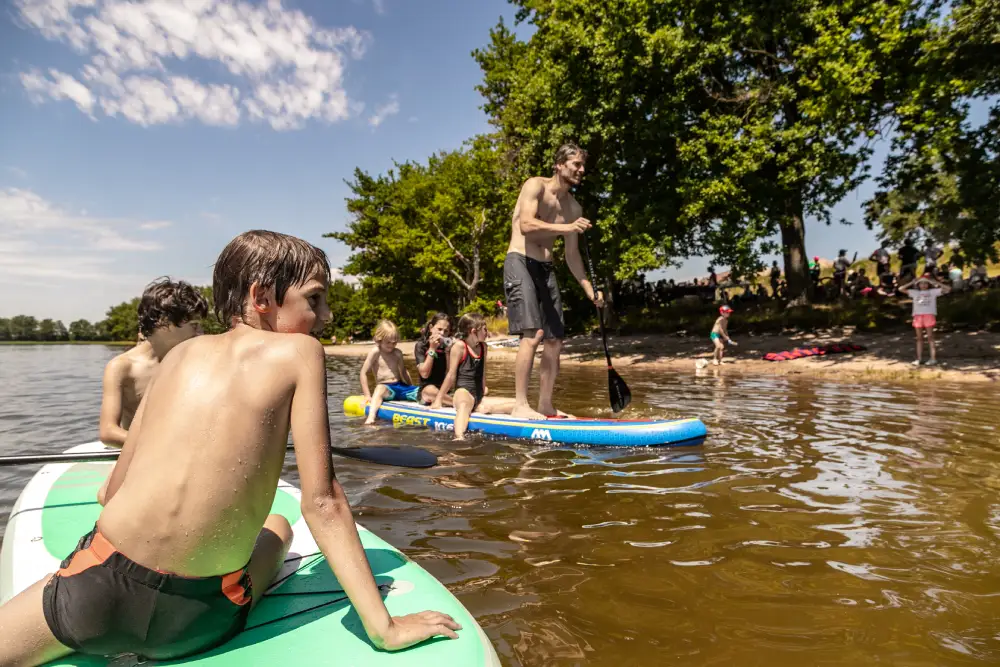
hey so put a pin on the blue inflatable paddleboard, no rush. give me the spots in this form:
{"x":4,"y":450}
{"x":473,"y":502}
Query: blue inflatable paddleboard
{"x":569,"y":431}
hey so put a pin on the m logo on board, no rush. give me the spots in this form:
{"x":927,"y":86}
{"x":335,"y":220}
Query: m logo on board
{"x":541,"y":434}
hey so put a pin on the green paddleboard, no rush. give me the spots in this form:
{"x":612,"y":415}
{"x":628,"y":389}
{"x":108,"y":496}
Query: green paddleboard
{"x":304,"y":620}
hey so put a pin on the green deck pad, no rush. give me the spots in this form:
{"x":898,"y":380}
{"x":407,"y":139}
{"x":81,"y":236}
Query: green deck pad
{"x":331,"y":634}
{"x":71,"y":507}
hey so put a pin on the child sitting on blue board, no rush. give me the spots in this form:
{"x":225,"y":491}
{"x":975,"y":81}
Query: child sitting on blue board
{"x":393,"y":381}
{"x":431,"y":353}
{"x":185,"y":546}
{"x":720,"y":333}
{"x":467,"y":376}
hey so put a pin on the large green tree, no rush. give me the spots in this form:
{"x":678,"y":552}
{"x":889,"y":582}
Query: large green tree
{"x":943,"y":174}
{"x":23,"y":327}
{"x":82,"y":330}
{"x":430,"y":236}
{"x":122,"y":321}
{"x":711,"y":125}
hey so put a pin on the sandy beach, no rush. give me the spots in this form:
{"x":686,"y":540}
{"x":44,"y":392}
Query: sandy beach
{"x":963,"y":356}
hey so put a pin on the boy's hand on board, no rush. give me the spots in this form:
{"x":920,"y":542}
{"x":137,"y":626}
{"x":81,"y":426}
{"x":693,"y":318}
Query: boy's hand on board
{"x":412,"y":629}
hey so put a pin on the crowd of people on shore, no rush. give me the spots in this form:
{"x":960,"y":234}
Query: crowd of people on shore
{"x":845,"y":282}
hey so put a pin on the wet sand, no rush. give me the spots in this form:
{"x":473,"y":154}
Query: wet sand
{"x":963,"y":356}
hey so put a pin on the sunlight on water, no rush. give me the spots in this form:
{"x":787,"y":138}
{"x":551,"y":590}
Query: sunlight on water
{"x":820,"y":523}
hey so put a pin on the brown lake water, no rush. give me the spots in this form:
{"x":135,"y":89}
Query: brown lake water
{"x":821,"y":522}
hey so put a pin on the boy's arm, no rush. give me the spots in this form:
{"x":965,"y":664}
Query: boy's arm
{"x":454,"y":359}
{"x":404,"y":374}
{"x":110,"y":431}
{"x":328,"y":513}
{"x":364,"y":373}
{"x":725,"y":330}
{"x":128,"y":449}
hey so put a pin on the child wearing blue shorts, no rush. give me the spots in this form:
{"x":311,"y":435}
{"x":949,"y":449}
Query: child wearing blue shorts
{"x":386,"y":360}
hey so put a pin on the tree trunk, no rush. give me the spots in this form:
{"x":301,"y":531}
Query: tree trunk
{"x":793,"y":241}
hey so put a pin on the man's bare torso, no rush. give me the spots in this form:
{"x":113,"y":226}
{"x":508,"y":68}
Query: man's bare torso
{"x":551,"y":209}
{"x":205,"y":465}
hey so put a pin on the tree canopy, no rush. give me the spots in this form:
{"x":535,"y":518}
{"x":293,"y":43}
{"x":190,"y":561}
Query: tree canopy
{"x":430,"y":236}
{"x":711,"y":126}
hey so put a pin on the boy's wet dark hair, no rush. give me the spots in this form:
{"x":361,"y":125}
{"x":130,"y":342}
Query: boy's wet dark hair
{"x":470,"y":322}
{"x":425,"y":333}
{"x":270,"y":259}
{"x":165,"y":302}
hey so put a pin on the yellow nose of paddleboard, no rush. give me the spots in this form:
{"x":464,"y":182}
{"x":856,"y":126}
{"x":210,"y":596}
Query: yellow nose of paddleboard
{"x":354,"y":406}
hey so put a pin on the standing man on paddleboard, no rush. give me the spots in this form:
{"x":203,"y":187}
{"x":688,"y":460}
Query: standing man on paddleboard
{"x":545,"y":210}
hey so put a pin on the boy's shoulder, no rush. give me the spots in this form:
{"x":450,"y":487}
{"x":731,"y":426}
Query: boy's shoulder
{"x":254,"y":345}
{"x":133,"y":361}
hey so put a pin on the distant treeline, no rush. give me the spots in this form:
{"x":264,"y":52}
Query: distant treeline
{"x":351,"y":309}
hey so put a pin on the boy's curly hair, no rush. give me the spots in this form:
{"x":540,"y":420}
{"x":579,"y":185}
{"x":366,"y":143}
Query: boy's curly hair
{"x":166,"y":302}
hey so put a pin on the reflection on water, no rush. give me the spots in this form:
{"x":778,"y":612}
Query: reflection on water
{"x":820,"y":523}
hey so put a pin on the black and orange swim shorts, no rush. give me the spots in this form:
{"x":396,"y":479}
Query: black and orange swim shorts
{"x":102,"y":603}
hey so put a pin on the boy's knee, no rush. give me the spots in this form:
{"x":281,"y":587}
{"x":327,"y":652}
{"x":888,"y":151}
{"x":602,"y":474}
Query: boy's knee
{"x":279,"y":525}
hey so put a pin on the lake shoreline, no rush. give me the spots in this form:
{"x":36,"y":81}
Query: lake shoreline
{"x":964,"y":356}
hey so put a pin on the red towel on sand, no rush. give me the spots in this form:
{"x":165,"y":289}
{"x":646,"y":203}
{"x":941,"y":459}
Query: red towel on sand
{"x":799,"y":352}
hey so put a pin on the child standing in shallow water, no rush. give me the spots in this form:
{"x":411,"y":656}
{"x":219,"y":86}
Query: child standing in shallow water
{"x":925,"y":312}
{"x":720,"y":333}
{"x":390,"y":371}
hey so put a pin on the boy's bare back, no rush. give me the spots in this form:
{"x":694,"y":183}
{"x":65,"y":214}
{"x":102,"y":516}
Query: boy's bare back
{"x":218,"y":480}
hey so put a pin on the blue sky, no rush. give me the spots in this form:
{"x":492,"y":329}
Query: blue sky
{"x":130,"y":152}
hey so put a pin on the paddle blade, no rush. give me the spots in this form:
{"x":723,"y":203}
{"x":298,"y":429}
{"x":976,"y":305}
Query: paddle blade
{"x":618,"y":391}
{"x":404,"y":457}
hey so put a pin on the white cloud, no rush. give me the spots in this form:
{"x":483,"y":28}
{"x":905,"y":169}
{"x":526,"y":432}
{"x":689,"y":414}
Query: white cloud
{"x":379,"y":6}
{"x":383,"y":111}
{"x":155,"y":224}
{"x":38,"y":239}
{"x":17,"y":171}
{"x":283,"y":68}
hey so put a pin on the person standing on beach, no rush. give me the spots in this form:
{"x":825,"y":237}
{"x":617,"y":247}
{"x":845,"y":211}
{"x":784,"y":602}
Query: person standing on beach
{"x":720,"y":333}
{"x":545,"y":210}
{"x":925,"y":312}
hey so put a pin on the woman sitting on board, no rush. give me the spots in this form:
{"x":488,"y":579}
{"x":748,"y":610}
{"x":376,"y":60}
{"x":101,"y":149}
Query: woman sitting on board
{"x":467,"y":374}
{"x":431,"y":352}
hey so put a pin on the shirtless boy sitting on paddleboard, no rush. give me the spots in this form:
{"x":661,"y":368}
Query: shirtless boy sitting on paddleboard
{"x":168,"y":315}
{"x":184,"y":546}
{"x":386,"y":361}
{"x":545,"y":210}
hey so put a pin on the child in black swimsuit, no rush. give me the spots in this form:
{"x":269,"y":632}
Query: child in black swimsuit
{"x":467,"y":374}
{"x":431,"y":352}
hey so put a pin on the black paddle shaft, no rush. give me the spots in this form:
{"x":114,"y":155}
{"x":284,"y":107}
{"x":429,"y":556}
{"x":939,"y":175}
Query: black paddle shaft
{"x":405,"y":457}
{"x":593,"y":284}
{"x":618,"y":391}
